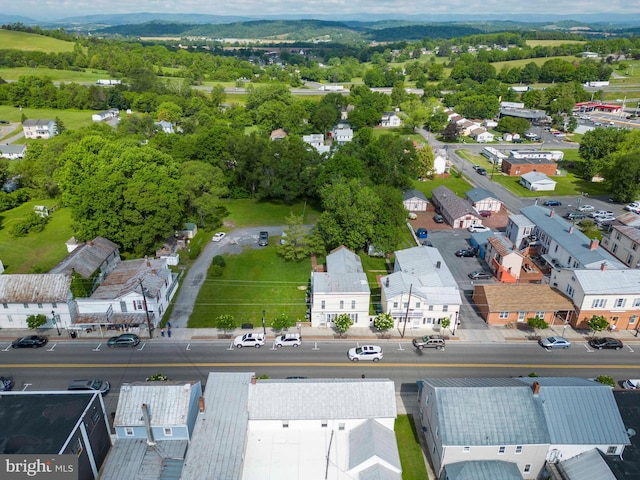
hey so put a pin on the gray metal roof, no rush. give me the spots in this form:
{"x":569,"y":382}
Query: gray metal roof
{"x":482,"y":470}
{"x":36,"y":122}
{"x":597,"y":281}
{"x":576,"y":243}
{"x":479,"y":193}
{"x":34,"y":288}
{"x":536,"y":177}
{"x":135,"y":458}
{"x":452,"y":204}
{"x":371,"y":439}
{"x":587,"y":466}
{"x":315,"y":399}
{"x":472,"y":412}
{"x":564,"y":402}
{"x":413,"y":193}
{"x":13,"y":149}
{"x":343,"y":260}
{"x":218,"y":442}
{"x":86,"y":258}
{"x":340,"y":282}
{"x":521,"y":220}
{"x":168,"y":403}
{"x":379,"y":472}
{"x":124,"y":279}
{"x":633,"y":233}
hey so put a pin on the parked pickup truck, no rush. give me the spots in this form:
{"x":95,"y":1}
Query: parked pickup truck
{"x":249,"y":340}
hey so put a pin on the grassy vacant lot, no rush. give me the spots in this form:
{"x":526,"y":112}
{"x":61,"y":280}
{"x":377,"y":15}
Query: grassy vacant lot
{"x":411,"y":457}
{"x":254,"y":281}
{"x":538,"y":61}
{"x":37,"y":252}
{"x":455,"y":182}
{"x":66,"y":76}
{"x":32,"y":42}
{"x":250,"y":213}
{"x":72,"y":119}
{"x":552,"y":43}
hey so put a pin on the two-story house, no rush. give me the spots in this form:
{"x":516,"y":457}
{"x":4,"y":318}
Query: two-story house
{"x":390,"y":119}
{"x":623,"y":242}
{"x":342,"y":133}
{"x":39,"y":128}
{"x":421,"y":289}
{"x":342,"y":289}
{"x":614,"y":294}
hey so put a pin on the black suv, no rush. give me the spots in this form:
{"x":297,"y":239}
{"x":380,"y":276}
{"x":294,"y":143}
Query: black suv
{"x":263,"y":239}
{"x":429,"y":341}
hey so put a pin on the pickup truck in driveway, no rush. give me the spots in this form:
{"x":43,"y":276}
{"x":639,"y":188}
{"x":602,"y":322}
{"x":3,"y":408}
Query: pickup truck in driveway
{"x":249,"y":340}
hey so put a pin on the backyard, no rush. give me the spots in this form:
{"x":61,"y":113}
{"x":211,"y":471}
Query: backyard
{"x":411,"y":456}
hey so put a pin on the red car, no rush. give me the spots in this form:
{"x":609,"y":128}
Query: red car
{"x":485,"y":213}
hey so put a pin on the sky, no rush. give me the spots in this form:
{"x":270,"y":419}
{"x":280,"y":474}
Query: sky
{"x":56,"y":9}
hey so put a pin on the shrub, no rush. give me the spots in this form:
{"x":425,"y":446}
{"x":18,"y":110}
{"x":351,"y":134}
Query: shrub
{"x":225,"y":322}
{"x":606,"y":380}
{"x":343,"y":323}
{"x":383,"y":322}
{"x":281,"y":322}
{"x":35,"y":321}
{"x":215,"y":271}
{"x":219,"y":260}
{"x":157,"y":377}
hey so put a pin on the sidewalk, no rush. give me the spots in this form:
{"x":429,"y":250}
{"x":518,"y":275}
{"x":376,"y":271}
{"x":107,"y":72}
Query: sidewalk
{"x":496,"y":334}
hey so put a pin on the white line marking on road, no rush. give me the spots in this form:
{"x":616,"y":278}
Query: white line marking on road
{"x":142,"y":347}
{"x":188,"y":346}
{"x":315,"y":346}
{"x":97,"y":349}
{"x":586,"y":345}
{"x":400,"y":347}
{"x":630,"y":349}
{"x":230,"y":346}
{"x":52,"y":347}
{"x":26,"y":385}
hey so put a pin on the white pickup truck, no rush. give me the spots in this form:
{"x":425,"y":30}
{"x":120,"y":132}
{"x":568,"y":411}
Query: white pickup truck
{"x":249,"y":340}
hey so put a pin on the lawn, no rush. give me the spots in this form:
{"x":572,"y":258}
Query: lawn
{"x":455,"y":182}
{"x":55,"y":75}
{"x":251,"y":213}
{"x":13,"y":40}
{"x":411,"y":456}
{"x":72,"y":119}
{"x":37,"y":252}
{"x":538,"y":61}
{"x":552,"y":43}
{"x":255,"y":281}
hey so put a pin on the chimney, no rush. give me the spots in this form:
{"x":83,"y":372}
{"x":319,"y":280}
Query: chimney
{"x":147,"y":424}
{"x":438,"y":264}
{"x":386,"y":282}
{"x":201,"y":404}
{"x":253,"y":380}
{"x":594,"y":244}
{"x":536,"y":388}
{"x":570,"y":229}
{"x":603,"y":266}
{"x":552,"y":213}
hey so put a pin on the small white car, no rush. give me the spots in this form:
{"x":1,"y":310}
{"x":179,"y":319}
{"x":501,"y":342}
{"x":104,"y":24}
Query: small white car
{"x":477,"y":228}
{"x":631,"y":384}
{"x":218,"y":236}
{"x":586,"y":208}
{"x":288,"y":340}
{"x":371,"y":353}
{"x":602,"y":213}
{"x":249,"y":340}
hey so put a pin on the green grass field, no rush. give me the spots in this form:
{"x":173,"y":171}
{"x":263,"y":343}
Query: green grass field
{"x":66,"y":76}
{"x":538,"y":61}
{"x":37,"y":252}
{"x":250,"y":213}
{"x":553,"y":43}
{"x":455,"y":182}
{"x":72,"y":119}
{"x":411,"y":456}
{"x":256,"y":280}
{"x":31,"y":42}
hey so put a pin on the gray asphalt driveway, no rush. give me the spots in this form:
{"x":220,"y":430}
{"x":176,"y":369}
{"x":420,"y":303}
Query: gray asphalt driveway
{"x":195,"y":277}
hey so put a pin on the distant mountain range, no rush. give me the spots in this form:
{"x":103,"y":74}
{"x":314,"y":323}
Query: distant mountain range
{"x":196,"y":18}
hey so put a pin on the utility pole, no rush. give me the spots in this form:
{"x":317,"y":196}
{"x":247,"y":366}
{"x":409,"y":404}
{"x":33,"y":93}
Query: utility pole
{"x":146,"y":310}
{"x":406,"y":315}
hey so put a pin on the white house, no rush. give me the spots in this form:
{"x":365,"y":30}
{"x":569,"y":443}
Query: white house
{"x":316,"y":429}
{"x":316,"y":140}
{"x":464,"y":420}
{"x":536,"y":181}
{"x":165,"y":127}
{"x":342,"y":289}
{"x":483,"y":200}
{"x":39,"y":128}
{"x":36,"y":294}
{"x":421,"y":289}
{"x":494,"y":155}
{"x":623,"y":242}
{"x":440,"y":163}
{"x":13,"y":152}
{"x":390,"y":119}
{"x":105,"y":115}
{"x":414,"y":201}
{"x":342,"y":133}
{"x":481,"y":135}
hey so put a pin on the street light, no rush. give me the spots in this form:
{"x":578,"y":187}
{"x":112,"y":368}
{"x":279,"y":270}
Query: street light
{"x":53,"y":319}
{"x":264,"y":328}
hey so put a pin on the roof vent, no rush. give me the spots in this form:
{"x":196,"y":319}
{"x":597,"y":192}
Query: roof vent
{"x":536,"y":388}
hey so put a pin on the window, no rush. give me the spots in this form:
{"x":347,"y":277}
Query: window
{"x":353,"y":304}
{"x":521,"y":316}
{"x":630,"y":259}
{"x":618,"y":236}
{"x":341,"y":304}
{"x":633,"y":319}
{"x":504,"y":315}
{"x":395,"y":304}
{"x":634,"y":246}
{"x":501,"y":450}
{"x":430,"y":308}
{"x":341,"y":426}
{"x":615,"y":248}
{"x":25,"y":305}
{"x":445,"y":308}
{"x":466,"y":449}
{"x":168,"y":432}
{"x":611,"y":450}
{"x":54,"y":305}
{"x":405,"y":305}
{"x":39,"y":305}
{"x":137,"y":304}
{"x":324,"y":423}
{"x":5,"y":305}
{"x":123,"y":307}
{"x":285,"y":424}
{"x":417,"y":304}
{"x":527,"y":468}
{"x":636,"y":302}
{"x":128,"y":431}
{"x":322,"y":304}
{"x":518,"y":448}
{"x":437,"y":431}
{"x":598,"y":303}
{"x":620,"y":302}
{"x":540,"y":315}
{"x":569,"y":290}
